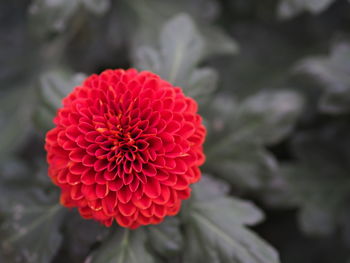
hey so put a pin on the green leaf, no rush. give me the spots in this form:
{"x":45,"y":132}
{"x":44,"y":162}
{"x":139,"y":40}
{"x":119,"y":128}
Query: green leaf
{"x":319,"y":182}
{"x":51,"y":16}
{"x":97,"y":7}
{"x":320,"y":196}
{"x":217,"y":42}
{"x":53,"y":87}
{"x":181,"y":48}
{"x":30,"y":228}
{"x":316,"y":221}
{"x":202,"y":84}
{"x":147,"y":58}
{"x":239,"y":132}
{"x":125,"y":246}
{"x":152,"y":14}
{"x":333,"y":73}
{"x":290,"y":8}
{"x":269,"y":116}
{"x":257,"y":68}
{"x":245,"y":165}
{"x":221,"y":112}
{"x":16,"y":107}
{"x":266,"y":117}
{"x":81,"y":235}
{"x":165,"y":238}
{"x":47,"y":16}
{"x":213,"y":189}
{"x":216,"y":230}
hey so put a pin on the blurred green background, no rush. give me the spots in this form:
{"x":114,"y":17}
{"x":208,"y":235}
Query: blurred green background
{"x":272,"y":79}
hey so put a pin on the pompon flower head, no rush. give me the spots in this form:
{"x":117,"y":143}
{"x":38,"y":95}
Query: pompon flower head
{"x":126,"y":146}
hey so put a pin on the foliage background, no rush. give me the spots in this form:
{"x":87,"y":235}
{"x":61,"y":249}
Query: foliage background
{"x":273,"y":82}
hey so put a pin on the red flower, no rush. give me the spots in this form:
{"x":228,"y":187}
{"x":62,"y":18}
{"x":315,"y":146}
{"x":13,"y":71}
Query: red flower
{"x":126,"y":146}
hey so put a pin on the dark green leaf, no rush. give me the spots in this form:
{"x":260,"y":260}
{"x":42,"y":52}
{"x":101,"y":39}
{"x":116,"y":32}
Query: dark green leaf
{"x":30,"y":228}
{"x":290,"y":8}
{"x":268,"y":116}
{"x":81,"y":235}
{"x":216,"y":230}
{"x":245,"y":165}
{"x":181,"y":49}
{"x":48,"y":16}
{"x":97,"y":6}
{"x":239,"y":132}
{"x":217,"y":42}
{"x":319,"y":183}
{"x":154,"y":13}
{"x":333,"y":72}
{"x":165,"y":238}
{"x":319,"y":195}
{"x":213,"y":189}
{"x":202,"y":84}
{"x":51,"y":16}
{"x":16,"y":107}
{"x":53,"y":87}
{"x":315,"y":220}
{"x":125,"y":246}
{"x":148,"y":59}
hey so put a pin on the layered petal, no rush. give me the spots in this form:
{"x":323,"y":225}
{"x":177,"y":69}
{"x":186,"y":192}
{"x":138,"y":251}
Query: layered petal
{"x":126,"y":147}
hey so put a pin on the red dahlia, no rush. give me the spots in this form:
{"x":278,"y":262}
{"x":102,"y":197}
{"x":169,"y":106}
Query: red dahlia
{"x":126,"y":146}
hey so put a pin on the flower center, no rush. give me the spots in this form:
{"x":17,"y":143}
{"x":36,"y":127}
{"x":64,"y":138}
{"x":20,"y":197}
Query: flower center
{"x":121,"y":144}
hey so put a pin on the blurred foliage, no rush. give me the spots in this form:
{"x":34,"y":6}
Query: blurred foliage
{"x":289,"y":8}
{"x":239,"y":132}
{"x":333,"y":74}
{"x":322,"y":192}
{"x":30,"y":217}
{"x":272,"y":79}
